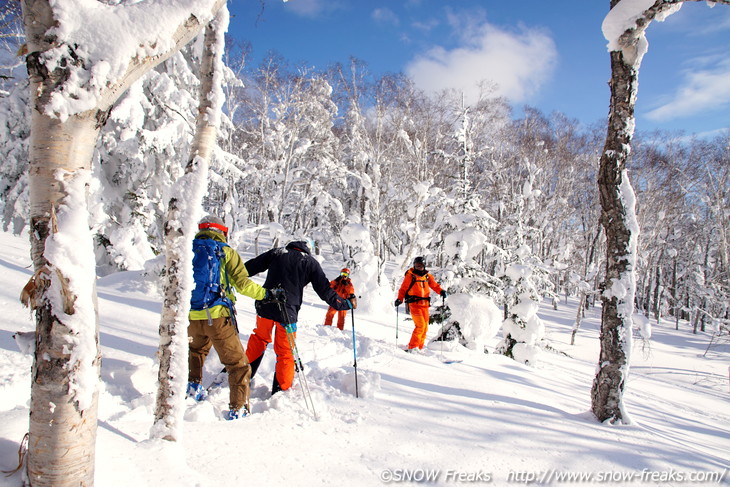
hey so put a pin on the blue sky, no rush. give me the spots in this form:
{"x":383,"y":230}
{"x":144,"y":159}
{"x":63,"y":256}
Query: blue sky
{"x":550,"y":54}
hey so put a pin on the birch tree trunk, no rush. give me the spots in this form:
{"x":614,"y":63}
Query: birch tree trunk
{"x":590,"y":274}
{"x":63,"y":417}
{"x":183,"y":208}
{"x":618,"y":217}
{"x":658,"y":287}
{"x":578,"y":316}
{"x":66,"y":365}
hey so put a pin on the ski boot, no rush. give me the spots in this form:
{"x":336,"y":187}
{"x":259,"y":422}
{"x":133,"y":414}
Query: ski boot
{"x":196,"y":391}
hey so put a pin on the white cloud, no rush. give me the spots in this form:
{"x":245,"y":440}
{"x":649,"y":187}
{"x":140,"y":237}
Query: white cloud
{"x":312,"y":8}
{"x":385,"y":16}
{"x":518,"y":63}
{"x":700,"y":91}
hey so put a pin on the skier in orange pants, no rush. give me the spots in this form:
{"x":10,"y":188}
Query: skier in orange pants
{"x":288,"y":270}
{"x":260,"y":339}
{"x":416,"y":291}
{"x":344,"y":289}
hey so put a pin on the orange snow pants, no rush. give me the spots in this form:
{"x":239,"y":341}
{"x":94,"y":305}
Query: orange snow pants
{"x":419,"y":313}
{"x":260,"y":339}
{"x":340,"y":317}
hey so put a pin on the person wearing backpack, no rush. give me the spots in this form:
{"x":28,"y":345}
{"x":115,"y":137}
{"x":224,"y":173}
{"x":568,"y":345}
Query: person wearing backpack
{"x":289,"y":269}
{"x":416,"y":291}
{"x":344,"y":289}
{"x":217,"y":271}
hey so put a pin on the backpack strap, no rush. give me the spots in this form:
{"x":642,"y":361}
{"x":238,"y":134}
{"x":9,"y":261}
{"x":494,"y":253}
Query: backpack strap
{"x":227,"y":302}
{"x":409,"y":298}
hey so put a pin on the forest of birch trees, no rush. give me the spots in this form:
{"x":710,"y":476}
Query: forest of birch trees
{"x":308,"y":151}
{"x":475,"y":185}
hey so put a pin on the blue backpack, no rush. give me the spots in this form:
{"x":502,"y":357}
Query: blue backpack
{"x":208,"y":256}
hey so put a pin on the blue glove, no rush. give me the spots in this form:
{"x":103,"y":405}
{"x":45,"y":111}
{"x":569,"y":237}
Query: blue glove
{"x":290,"y":328}
{"x":444,"y":294}
{"x":398,"y":302}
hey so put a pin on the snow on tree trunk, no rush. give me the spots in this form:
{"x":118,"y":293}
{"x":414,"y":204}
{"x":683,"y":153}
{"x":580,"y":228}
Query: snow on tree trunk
{"x":66,"y":364}
{"x":624,"y":27}
{"x":618,"y":218}
{"x":578,"y":316}
{"x":67,"y":115}
{"x":183,"y":211}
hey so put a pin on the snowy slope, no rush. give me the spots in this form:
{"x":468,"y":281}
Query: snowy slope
{"x":487,"y":418}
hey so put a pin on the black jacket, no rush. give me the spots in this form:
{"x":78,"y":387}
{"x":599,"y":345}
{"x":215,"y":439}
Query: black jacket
{"x":292,"y":268}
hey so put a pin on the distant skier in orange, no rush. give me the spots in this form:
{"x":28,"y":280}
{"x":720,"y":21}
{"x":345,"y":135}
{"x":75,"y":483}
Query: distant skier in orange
{"x":344,"y":289}
{"x":416,"y":291}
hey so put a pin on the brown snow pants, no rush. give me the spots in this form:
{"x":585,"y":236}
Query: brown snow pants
{"x":223,"y":336}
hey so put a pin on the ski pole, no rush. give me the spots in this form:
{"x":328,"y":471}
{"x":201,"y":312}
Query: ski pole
{"x":354,"y":348}
{"x":441,"y":333}
{"x":295,"y":352}
{"x":306,"y":393}
{"x":397,"y":312}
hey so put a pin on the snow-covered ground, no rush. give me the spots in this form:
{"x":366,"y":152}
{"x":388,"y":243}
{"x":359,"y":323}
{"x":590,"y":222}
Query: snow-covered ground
{"x":485,"y":420}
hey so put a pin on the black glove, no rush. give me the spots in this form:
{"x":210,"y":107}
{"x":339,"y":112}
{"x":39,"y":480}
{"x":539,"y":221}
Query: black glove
{"x":275,"y":295}
{"x":444,"y":294}
{"x":344,"y":304}
{"x":398,"y":302}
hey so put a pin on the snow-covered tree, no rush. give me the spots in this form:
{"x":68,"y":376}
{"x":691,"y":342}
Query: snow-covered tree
{"x":624,"y":27}
{"x":14,"y":141}
{"x":75,"y":79}
{"x":287,"y":128}
{"x":141,"y":153}
{"x":15,"y":112}
{"x":522,"y":328}
{"x":364,"y":268}
{"x":461,"y":240}
{"x":313,"y":200}
{"x":183,"y":212}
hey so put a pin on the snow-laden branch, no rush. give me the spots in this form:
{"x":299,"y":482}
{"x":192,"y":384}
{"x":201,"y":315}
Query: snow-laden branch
{"x":101,"y":49}
{"x":625,"y":24}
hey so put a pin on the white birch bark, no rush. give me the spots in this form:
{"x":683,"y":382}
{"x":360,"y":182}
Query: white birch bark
{"x":66,"y":364}
{"x":183,"y":209}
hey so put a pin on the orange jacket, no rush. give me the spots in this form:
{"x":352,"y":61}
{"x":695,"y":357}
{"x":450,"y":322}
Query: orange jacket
{"x":417,"y":288}
{"x":343,"y":287}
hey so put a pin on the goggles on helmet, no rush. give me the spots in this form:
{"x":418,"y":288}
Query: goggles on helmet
{"x":215,"y":226}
